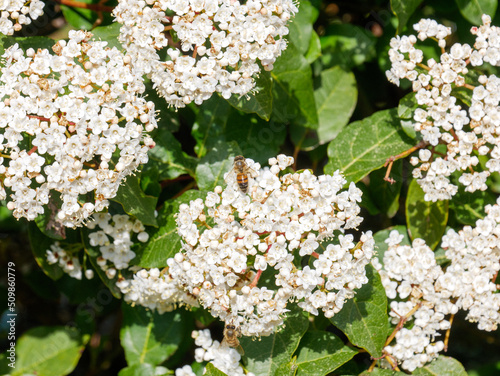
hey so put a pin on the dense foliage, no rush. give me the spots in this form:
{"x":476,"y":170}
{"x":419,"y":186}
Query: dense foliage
{"x":365,"y":241}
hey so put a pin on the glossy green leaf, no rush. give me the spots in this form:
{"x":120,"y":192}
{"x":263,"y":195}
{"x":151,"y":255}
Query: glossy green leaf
{"x":168,"y":156}
{"x":336,"y":95}
{"x":164,"y":242}
{"x":260,"y":102}
{"x":219,"y":124}
{"x":210,"y":122}
{"x":425,"y":219}
{"x":150,"y":337}
{"x":301,"y":28}
{"x":320,"y":353}
{"x":84,"y":19}
{"x":28,"y":42}
{"x":211,"y":370}
{"x":47,"y":351}
{"x":144,"y":369}
{"x":442,"y":366}
{"x":293,"y":89}
{"x":256,"y":139}
{"x":39,"y":246}
{"x":403,"y":9}
{"x":212,"y":167}
{"x":287,"y":369}
{"x":108,"y":33}
{"x":473,"y":10}
{"x":365,"y":145}
{"x":314,"y":50}
{"x":384,"y":194}
{"x":382,"y":235}
{"x":469,"y":207}
{"x":135,"y":202}
{"x":265,"y":356}
{"x":363,"y":319}
{"x":347,"y":45}
{"x":407,"y":106}
{"x":383,"y":372}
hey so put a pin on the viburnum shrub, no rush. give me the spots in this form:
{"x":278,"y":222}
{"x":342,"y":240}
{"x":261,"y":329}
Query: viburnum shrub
{"x":205,"y":194}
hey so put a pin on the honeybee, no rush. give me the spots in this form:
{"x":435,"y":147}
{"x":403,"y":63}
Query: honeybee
{"x":242,"y":171}
{"x":231,"y":334}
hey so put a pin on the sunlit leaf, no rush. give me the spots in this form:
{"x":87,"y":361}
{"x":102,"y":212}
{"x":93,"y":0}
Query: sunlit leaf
{"x":425,"y":219}
{"x":364,"y":146}
{"x":363,"y":319}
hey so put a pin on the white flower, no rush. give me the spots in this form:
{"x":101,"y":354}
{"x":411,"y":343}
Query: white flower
{"x":75,"y":131}
{"x":221,"y":44}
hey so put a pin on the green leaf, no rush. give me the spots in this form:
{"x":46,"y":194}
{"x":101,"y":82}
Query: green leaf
{"x":363,"y":319}
{"x":301,"y":27}
{"x":381,"y":236}
{"x":47,"y":351}
{"x":442,"y":366}
{"x":293,"y":89}
{"x":148,"y":337}
{"x":144,"y":369}
{"x":265,"y":356}
{"x":365,"y":145}
{"x":164,"y":242}
{"x":425,"y":219}
{"x":385,"y":194}
{"x":211,"y":370}
{"x":469,"y":207}
{"x":212,"y":167}
{"x":217,"y":124}
{"x":256,"y":138}
{"x":47,"y":222}
{"x":40,"y":244}
{"x":403,"y":9}
{"x":347,"y":45}
{"x":109,"y":33}
{"x":383,"y":372}
{"x":287,"y":369}
{"x":29,"y":42}
{"x":85,"y":19}
{"x":320,"y":353}
{"x":260,"y":102}
{"x":211,"y":119}
{"x":135,"y":202}
{"x":168,"y":156}
{"x":336,"y":95}
{"x":473,"y":10}
{"x":407,"y":106}
{"x":314,"y":50}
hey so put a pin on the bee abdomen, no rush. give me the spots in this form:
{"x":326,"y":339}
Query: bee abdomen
{"x":242,"y":182}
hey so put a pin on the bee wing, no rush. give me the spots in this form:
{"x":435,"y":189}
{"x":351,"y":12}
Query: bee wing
{"x":229,"y":175}
{"x":238,"y":348}
{"x":253,"y":173}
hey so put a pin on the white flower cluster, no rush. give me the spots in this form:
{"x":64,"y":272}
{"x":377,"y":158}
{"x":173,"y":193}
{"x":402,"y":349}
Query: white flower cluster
{"x":15,"y":13}
{"x":70,"y":124}
{"x":222,"y":357}
{"x":69,"y":263}
{"x":216,"y":47}
{"x":409,"y":275}
{"x":428,"y":294}
{"x":466,"y":133}
{"x":120,"y":228}
{"x":231,"y":238}
{"x":155,"y":290}
{"x":475,"y":261}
